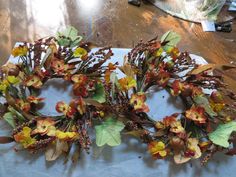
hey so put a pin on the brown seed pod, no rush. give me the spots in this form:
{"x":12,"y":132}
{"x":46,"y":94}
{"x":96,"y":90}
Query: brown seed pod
{"x":13,"y":71}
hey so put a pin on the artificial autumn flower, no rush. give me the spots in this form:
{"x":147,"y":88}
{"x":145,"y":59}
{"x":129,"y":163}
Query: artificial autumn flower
{"x":6,"y":82}
{"x":45,"y":127}
{"x":79,"y":79}
{"x":196,"y":114}
{"x":59,"y":66}
{"x":159,"y":52}
{"x":80,"y":52}
{"x":19,"y":51}
{"x":192,"y":151}
{"x":24,"y":137}
{"x":81,"y":105}
{"x":25,"y":106}
{"x":64,"y":108}
{"x":174,"y":52}
{"x":168,"y":120}
{"x":33,"y":81}
{"x":157,"y":149}
{"x":80,"y":90}
{"x":176,"y":127}
{"x":111,"y":67}
{"x":177,"y":88}
{"x":33,"y":99}
{"x":216,"y":101}
{"x":127,"y":83}
{"x":163,"y":78}
{"x":138,"y":102}
{"x":66,"y":135}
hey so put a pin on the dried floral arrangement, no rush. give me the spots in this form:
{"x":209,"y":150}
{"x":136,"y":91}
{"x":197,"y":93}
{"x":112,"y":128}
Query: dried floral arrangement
{"x":113,"y":105}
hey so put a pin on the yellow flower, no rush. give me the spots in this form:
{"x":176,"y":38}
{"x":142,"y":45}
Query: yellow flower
{"x":138,"y":102}
{"x":80,"y":52}
{"x":6,"y":82}
{"x":176,"y":127}
{"x":13,"y":79}
{"x":157,"y":149}
{"x":127,"y":83}
{"x":33,"y":81}
{"x":159,"y":52}
{"x":3,"y":85}
{"x":66,"y":135}
{"x":19,"y":51}
{"x":24,"y":137}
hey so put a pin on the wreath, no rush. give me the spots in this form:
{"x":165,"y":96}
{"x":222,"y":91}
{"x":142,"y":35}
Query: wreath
{"x":113,"y":105}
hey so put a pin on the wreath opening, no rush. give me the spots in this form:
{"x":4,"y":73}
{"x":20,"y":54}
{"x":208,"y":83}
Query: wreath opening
{"x":117,"y":104}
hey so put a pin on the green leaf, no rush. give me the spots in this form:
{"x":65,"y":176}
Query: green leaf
{"x":99,"y":94}
{"x":19,"y":116}
{"x":221,"y":135}
{"x":9,"y":118}
{"x":68,"y":37}
{"x":109,"y":132}
{"x":172,"y":38}
{"x":203,"y":102}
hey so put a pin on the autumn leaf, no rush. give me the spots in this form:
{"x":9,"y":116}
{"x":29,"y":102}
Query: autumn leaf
{"x":99,"y":94}
{"x":6,"y":139}
{"x":221,"y":135}
{"x":209,"y":67}
{"x":172,"y":39}
{"x":9,"y":118}
{"x":109,"y":132}
{"x":55,"y":150}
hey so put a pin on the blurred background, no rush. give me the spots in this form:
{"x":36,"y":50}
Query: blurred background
{"x":109,"y":22}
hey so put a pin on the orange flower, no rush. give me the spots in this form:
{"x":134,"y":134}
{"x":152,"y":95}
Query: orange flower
{"x":25,"y":106}
{"x":127,"y":83}
{"x":33,"y":99}
{"x":111,"y":67}
{"x":196,"y":114}
{"x":177,"y":88}
{"x":157,"y":149}
{"x":163,"y":78}
{"x":19,"y":51}
{"x":81,"y":105}
{"x":138,"y":102}
{"x":24,"y":137}
{"x":45,"y":127}
{"x":59,"y":66}
{"x":79,"y":79}
{"x":168,"y":120}
{"x":174,"y":52}
{"x":64,"y":108}
{"x":33,"y":81}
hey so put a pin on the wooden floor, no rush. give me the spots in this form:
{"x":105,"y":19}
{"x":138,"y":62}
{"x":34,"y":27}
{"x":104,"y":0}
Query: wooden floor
{"x":109,"y":22}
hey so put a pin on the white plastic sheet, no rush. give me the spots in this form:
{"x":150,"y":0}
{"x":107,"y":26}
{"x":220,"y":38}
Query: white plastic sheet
{"x":130,"y":159}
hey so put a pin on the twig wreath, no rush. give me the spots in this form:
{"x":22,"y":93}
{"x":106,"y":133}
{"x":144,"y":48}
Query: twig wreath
{"x":111,"y":105}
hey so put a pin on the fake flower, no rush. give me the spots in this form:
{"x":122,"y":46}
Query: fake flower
{"x":79,"y":79}
{"x":216,"y":101}
{"x":6,"y":82}
{"x":176,"y":127}
{"x":25,"y":106}
{"x":192,"y":151}
{"x":177,"y":88}
{"x":45,"y":127}
{"x":33,"y":99}
{"x":157,"y":149}
{"x":66,"y":135}
{"x":196,"y":114}
{"x":174,"y":52}
{"x":33,"y":81}
{"x":111,"y":67}
{"x":138,"y":102}
{"x":168,"y":120}
{"x":80,"y":90}
{"x":159,"y":52}
{"x":81,"y":105}
{"x":163,"y":78}
{"x":127,"y":83}
{"x":19,"y":51}
{"x":59,"y":66}
{"x":64,"y":108}
{"x":80,"y":52}
{"x":24,"y":137}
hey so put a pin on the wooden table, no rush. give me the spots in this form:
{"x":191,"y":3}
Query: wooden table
{"x":109,"y":22}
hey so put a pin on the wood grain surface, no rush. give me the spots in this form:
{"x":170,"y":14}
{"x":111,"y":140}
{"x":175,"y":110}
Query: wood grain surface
{"x":110,"y":22}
